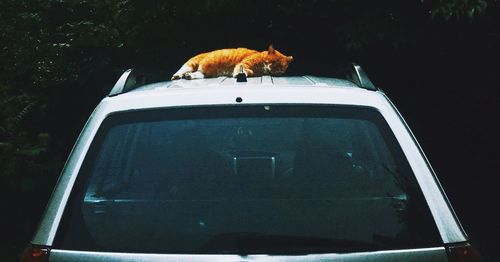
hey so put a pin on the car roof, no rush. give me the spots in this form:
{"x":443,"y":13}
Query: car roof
{"x":252,"y":82}
{"x":263,"y":81}
{"x":266,"y":90}
{"x":256,"y":90}
{"x":137,"y":79}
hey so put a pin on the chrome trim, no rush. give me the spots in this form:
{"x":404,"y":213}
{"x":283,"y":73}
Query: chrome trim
{"x":436,"y":254}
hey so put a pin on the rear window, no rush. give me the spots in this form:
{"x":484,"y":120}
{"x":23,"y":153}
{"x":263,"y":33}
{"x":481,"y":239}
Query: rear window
{"x":246,"y":180}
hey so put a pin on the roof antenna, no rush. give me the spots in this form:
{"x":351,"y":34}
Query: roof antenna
{"x":241,"y":76}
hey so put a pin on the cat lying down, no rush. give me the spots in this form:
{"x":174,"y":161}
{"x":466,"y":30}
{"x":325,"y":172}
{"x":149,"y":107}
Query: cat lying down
{"x":228,"y":62}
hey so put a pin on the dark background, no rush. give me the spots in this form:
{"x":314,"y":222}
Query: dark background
{"x":437,"y":60}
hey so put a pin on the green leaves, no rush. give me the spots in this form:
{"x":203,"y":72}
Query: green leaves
{"x":457,"y":9}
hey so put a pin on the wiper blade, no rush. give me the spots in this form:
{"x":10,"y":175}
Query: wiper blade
{"x":257,"y":243}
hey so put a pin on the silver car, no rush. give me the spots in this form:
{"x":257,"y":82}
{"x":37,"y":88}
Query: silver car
{"x":258,"y":169}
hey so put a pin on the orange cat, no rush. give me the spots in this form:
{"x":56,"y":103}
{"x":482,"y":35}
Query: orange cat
{"x":228,"y":62}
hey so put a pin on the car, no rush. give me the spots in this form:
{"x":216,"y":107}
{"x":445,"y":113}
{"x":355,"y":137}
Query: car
{"x":292,"y":168}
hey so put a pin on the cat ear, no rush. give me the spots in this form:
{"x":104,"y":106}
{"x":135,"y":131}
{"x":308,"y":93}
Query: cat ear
{"x":289,"y":58}
{"x":270,"y":49}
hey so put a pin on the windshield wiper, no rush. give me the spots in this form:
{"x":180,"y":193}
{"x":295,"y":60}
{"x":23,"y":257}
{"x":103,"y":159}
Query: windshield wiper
{"x":257,"y":243}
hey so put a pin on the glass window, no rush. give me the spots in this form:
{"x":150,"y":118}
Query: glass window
{"x":246,"y":179}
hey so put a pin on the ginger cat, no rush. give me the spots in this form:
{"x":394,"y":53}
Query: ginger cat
{"x":228,"y":62}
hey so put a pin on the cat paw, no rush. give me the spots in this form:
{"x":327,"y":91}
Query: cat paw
{"x":175,"y":77}
{"x":247,"y":73}
{"x":194,"y":75}
{"x":184,"y":76}
{"x":235,"y":74}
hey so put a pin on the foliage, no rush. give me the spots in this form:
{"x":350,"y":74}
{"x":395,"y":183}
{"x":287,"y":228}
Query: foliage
{"x":457,"y":9}
{"x":59,"y":57}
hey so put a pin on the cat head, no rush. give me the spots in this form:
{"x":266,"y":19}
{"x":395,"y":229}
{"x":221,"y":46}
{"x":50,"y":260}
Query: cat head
{"x":276,"y":61}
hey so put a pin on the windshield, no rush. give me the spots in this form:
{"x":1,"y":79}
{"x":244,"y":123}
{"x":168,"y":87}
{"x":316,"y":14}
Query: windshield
{"x":246,"y":180}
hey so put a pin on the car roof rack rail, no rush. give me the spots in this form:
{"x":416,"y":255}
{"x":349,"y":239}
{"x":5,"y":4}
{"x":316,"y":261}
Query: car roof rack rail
{"x":355,"y":73}
{"x":127,"y":81}
{"x":136,"y":77}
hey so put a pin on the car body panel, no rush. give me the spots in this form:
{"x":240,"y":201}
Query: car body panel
{"x":257,"y":91}
{"x":411,"y":255}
